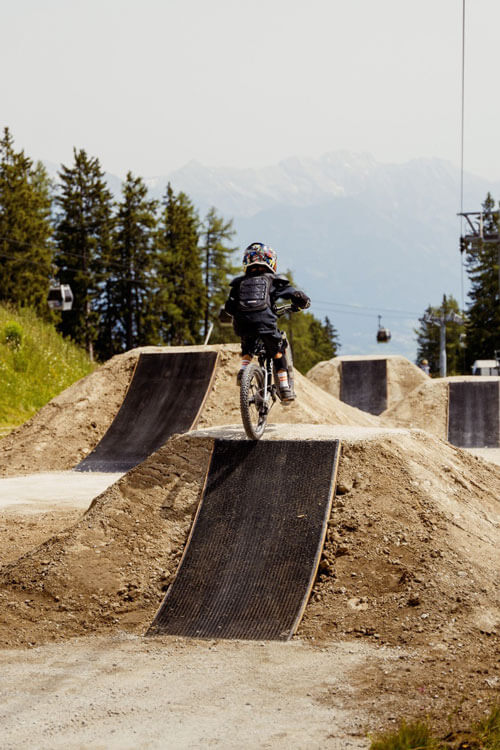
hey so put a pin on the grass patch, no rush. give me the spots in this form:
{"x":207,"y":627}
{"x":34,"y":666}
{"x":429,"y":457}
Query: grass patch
{"x":484,"y":735}
{"x":408,"y":737}
{"x":36,"y":363}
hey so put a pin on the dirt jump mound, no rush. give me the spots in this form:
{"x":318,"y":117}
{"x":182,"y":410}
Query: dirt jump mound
{"x":164,"y":397}
{"x":254,"y":549}
{"x":465,"y":410}
{"x":371,"y":383}
{"x":410,"y":557}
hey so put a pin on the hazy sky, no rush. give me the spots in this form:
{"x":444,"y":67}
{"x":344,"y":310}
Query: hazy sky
{"x":148,"y":85}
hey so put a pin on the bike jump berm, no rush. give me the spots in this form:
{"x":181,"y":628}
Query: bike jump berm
{"x":166,"y":395}
{"x":253,"y":552}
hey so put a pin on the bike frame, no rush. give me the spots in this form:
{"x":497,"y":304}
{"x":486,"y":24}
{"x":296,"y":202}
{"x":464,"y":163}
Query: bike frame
{"x":264,"y":397}
{"x":266,"y":364}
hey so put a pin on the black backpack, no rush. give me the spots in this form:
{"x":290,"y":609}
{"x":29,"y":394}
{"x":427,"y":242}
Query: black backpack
{"x":255,"y":293}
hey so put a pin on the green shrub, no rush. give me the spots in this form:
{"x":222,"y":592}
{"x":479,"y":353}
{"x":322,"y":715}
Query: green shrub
{"x":12,"y":334}
{"x":415,"y":736}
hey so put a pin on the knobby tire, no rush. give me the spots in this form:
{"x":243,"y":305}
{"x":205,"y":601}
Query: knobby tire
{"x":252,"y":387}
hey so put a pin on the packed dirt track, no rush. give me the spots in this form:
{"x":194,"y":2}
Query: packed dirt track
{"x":409,"y":567}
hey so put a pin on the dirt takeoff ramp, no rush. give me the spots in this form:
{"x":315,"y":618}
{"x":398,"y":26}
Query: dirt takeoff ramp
{"x":364,"y":384}
{"x":473,"y":414}
{"x":255,"y":545}
{"x":165,"y":396}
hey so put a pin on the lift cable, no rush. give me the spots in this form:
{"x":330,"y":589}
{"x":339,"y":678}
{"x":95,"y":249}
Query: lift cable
{"x":373,"y":309}
{"x":462,"y":154}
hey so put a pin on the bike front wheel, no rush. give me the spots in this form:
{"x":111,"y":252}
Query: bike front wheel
{"x":252,"y":401}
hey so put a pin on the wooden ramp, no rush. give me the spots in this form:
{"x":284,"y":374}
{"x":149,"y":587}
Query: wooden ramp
{"x":474,"y":414}
{"x":363,"y":384}
{"x":254,"y":549}
{"x":165,"y":396}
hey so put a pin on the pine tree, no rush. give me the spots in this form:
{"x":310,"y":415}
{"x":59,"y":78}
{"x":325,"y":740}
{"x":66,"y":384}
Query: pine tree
{"x":428,"y":338}
{"x":26,"y":251}
{"x":325,"y":339}
{"x":84,"y":251}
{"x":482,"y":262}
{"x":311,"y":340}
{"x":181,"y":297}
{"x":217,"y":269}
{"x":130,"y":273}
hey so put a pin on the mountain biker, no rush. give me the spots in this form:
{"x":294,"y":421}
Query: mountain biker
{"x":424,"y":365}
{"x":251,"y":302}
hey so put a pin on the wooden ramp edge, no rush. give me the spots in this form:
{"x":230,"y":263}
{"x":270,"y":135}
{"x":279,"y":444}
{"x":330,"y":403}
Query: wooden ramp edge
{"x":253,"y":552}
{"x":166,"y":395}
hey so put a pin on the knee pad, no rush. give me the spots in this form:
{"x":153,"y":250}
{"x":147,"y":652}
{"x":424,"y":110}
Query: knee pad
{"x":281,"y":363}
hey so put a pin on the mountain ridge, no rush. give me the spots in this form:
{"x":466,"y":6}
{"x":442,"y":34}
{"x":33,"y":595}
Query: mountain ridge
{"x":360,"y":235}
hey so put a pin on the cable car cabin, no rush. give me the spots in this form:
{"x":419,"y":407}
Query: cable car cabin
{"x":383,"y":335}
{"x":60,"y":297}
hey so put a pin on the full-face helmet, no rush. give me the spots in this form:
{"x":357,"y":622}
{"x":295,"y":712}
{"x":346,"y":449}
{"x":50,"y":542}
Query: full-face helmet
{"x":259,"y":254}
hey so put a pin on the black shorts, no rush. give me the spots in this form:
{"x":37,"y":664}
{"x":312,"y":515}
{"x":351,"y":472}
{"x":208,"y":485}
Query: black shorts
{"x":273,"y":343}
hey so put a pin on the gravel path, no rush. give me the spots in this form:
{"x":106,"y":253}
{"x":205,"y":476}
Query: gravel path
{"x":130,"y":692}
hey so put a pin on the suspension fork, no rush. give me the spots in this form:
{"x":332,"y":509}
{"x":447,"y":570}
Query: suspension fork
{"x":268,"y":379}
{"x":266,"y":366}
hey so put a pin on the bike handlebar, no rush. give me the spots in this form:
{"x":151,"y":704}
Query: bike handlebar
{"x":282,"y":309}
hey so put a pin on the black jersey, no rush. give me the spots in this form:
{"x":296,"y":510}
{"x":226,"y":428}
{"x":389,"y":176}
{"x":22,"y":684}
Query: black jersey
{"x":252,"y":297}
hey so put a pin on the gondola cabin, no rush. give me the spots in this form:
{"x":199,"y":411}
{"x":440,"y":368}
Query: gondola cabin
{"x":60,"y":297}
{"x":383,"y":334}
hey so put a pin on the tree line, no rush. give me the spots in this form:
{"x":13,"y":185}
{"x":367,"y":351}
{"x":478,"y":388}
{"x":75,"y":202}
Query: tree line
{"x":142,"y":271}
{"x":478,"y":337}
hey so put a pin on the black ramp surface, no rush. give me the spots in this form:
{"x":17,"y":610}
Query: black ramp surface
{"x":363,"y":384}
{"x":473,"y":414}
{"x":165,"y":396}
{"x":255,"y":545}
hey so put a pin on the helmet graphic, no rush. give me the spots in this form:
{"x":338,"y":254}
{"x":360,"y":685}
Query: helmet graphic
{"x":425,"y":362}
{"x":260,"y":254}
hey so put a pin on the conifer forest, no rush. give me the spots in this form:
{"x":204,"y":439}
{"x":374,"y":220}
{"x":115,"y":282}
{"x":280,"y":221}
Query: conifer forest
{"x":142,"y":272}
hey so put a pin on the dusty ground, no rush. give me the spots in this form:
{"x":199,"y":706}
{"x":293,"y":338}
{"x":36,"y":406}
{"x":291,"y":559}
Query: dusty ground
{"x":35,"y":507}
{"x":127,"y":692}
{"x":69,"y":427}
{"x":404,"y":617}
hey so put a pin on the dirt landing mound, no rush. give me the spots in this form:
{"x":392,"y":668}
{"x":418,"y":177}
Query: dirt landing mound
{"x":411,"y":556}
{"x":110,"y":569}
{"x":69,"y":427}
{"x":426,"y":407}
{"x":402,"y":375}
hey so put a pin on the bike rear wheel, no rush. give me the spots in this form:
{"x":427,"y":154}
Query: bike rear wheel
{"x":253,"y":409}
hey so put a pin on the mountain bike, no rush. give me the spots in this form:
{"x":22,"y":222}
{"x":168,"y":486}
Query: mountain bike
{"x":259,"y":387}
